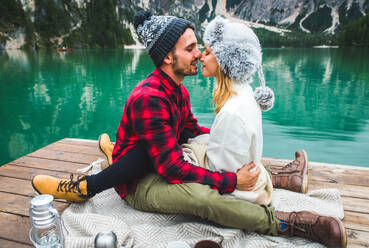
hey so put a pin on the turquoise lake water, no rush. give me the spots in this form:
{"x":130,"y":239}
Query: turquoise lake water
{"x":322,"y":100}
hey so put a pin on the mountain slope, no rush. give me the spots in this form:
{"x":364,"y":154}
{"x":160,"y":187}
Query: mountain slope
{"x":88,"y":23}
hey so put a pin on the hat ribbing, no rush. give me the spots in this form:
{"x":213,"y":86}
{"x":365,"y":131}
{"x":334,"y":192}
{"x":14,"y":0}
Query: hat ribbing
{"x":159,"y":33}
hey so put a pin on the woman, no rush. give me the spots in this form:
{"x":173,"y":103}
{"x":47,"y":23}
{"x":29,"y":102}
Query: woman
{"x":236,"y":134}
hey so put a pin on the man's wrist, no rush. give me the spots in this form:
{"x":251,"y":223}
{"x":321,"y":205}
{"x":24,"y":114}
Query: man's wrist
{"x":229,"y":182}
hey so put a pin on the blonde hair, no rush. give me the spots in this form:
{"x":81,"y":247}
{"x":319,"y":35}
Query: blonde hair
{"x":223,"y":91}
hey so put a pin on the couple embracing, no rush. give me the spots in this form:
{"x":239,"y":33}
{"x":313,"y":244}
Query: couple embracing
{"x":163,"y":161}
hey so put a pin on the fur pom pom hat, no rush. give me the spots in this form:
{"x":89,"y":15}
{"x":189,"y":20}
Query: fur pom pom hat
{"x":159,"y":33}
{"x":238,"y":52}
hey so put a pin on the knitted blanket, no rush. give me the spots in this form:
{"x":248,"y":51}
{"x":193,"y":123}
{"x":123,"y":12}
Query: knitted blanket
{"x":107,"y":211}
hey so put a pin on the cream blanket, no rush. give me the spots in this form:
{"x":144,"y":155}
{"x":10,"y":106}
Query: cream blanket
{"x":107,"y":211}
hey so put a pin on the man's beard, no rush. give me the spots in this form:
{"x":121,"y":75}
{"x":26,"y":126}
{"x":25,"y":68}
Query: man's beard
{"x":182,"y":71}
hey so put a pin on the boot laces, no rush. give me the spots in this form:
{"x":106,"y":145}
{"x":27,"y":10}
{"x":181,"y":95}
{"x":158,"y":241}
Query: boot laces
{"x":293,"y":163}
{"x":286,"y":167}
{"x":305,"y":226}
{"x":70,"y":186}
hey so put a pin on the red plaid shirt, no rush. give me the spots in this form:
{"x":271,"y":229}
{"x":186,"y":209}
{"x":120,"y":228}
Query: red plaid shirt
{"x":157,"y":112}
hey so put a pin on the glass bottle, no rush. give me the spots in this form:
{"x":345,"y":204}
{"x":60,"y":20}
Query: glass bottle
{"x":46,"y":229}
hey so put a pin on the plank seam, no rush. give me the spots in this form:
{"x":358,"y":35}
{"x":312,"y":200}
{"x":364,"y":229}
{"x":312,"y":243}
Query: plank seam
{"x":16,"y":241}
{"x":32,"y":156}
{"x":21,"y":215}
{"x":15,"y":164}
{"x":56,"y":150}
{"x":31,"y":196}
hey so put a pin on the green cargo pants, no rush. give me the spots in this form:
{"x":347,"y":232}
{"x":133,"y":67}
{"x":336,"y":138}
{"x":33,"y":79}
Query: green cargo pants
{"x":154,"y":194}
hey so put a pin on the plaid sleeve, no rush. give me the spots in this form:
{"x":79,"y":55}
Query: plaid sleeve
{"x":151,"y":122}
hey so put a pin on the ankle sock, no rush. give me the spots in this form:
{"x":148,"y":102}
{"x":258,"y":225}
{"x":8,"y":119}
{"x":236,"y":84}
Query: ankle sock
{"x":283,"y":225}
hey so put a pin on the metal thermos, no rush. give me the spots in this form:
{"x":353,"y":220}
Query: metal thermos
{"x":46,"y":229}
{"x":106,"y":239}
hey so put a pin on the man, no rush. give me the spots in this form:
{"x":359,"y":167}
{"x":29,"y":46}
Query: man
{"x":156,"y":117}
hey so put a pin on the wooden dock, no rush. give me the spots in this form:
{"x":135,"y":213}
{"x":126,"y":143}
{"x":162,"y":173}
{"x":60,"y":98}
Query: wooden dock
{"x":66,"y":156}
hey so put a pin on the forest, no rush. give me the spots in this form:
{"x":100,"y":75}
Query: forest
{"x":99,"y":25}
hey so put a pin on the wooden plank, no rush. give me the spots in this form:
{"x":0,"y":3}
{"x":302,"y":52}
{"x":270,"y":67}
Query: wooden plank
{"x":82,"y":142}
{"x":356,"y":221}
{"x":345,"y":190}
{"x":343,"y":178}
{"x":64,"y":156}
{"x":10,"y":244}
{"x":18,"y":204}
{"x":47,"y":164}
{"x":57,"y":146}
{"x":357,"y":238}
{"x":342,"y":170}
{"x":21,"y":172}
{"x":356,"y":205}
{"x":14,"y":228}
{"x":16,"y":186}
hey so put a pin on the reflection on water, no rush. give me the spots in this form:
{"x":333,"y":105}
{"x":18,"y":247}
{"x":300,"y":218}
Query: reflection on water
{"x":322,"y":99}
{"x":319,"y":89}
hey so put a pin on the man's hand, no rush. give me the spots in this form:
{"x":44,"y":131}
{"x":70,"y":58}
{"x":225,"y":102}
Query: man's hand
{"x":247,"y":177}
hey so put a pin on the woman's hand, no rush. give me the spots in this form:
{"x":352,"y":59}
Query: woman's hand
{"x":247,"y":176}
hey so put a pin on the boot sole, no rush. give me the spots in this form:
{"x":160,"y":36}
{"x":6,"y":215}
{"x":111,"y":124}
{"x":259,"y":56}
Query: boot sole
{"x":33,"y":186}
{"x":305,"y":174}
{"x":343,"y":231}
{"x":342,"y":228}
{"x":101,"y":150}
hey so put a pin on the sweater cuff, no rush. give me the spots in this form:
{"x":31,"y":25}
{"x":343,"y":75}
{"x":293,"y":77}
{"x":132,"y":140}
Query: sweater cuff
{"x":229,"y":182}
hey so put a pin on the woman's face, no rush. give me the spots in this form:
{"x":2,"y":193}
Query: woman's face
{"x":209,"y":63}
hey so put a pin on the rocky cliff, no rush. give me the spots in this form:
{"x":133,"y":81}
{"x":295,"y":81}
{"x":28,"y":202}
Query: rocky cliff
{"x":108,"y":23}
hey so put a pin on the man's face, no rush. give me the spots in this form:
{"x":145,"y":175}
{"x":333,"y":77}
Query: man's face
{"x":186,"y":54}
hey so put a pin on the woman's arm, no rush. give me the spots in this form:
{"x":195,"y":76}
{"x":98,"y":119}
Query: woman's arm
{"x":230,"y":143}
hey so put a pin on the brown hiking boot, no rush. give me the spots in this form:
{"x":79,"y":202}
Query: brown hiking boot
{"x":328,"y":231}
{"x":293,"y":176}
{"x":73,"y":191}
{"x":106,"y":147}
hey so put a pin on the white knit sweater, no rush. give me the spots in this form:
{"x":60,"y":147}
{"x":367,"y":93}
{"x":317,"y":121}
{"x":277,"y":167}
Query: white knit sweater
{"x":236,"y":136}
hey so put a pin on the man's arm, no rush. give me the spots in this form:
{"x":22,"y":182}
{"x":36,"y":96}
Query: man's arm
{"x":151,"y":122}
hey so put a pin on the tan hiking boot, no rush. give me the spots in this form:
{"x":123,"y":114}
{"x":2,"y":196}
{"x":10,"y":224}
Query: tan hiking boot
{"x":328,"y":231}
{"x":293,"y":176}
{"x":106,"y":147}
{"x":73,"y":191}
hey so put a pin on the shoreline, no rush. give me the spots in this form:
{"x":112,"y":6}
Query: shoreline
{"x":200,"y":46}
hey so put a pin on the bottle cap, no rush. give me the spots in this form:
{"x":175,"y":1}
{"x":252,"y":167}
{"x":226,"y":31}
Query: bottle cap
{"x":41,"y":200}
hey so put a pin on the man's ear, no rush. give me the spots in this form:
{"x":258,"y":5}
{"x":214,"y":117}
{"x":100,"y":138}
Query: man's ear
{"x":168,"y":59}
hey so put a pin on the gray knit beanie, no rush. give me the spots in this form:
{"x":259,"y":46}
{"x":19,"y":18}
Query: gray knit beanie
{"x":238,"y":52}
{"x":159,"y":33}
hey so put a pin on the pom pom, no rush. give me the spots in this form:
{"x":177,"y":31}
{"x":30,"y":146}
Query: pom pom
{"x":141,"y":17}
{"x":265,"y":97}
